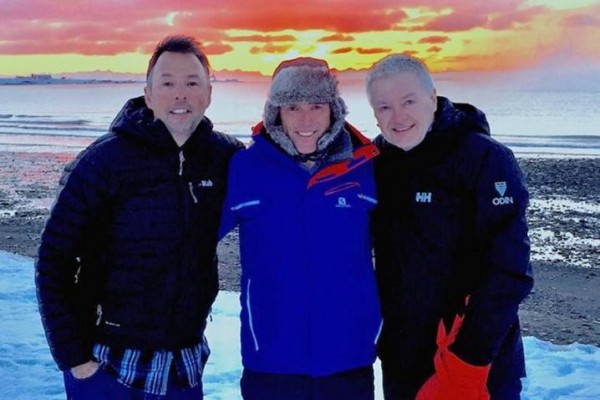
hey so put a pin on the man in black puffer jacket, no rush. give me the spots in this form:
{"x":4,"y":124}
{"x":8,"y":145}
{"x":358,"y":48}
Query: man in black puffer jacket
{"x":451,"y":245}
{"x":126,"y":271}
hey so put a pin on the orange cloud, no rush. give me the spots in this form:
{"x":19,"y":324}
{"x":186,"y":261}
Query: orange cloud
{"x":342,"y":50}
{"x":262,"y":38}
{"x":338,"y":37}
{"x":453,"y":34}
{"x":434,"y":39}
{"x":217,"y":48}
{"x":270,"y":48}
{"x":361,"y":50}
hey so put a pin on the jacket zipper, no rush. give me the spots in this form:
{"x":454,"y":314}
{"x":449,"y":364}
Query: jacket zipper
{"x":98,"y":314}
{"x":181,"y":161}
{"x":191,"y":186}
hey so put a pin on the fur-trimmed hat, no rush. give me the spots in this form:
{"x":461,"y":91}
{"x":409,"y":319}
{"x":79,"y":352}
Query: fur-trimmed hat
{"x":298,"y":80}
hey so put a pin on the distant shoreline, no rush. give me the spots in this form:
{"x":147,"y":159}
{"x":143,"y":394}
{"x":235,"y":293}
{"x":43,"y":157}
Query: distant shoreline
{"x":60,"y":81}
{"x":48,"y":80}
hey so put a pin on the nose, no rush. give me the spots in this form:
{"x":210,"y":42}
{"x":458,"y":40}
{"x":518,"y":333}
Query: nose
{"x":303,"y":120}
{"x":180,"y":93}
{"x":398,"y":114}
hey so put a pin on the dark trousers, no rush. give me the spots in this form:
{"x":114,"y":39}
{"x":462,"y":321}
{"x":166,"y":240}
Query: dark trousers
{"x":356,"y":384}
{"x":103,"y":386}
{"x":394,"y":389}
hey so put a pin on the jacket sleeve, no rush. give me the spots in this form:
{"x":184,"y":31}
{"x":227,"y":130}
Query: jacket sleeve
{"x":228,"y":214}
{"x":500,"y":257}
{"x":57,"y":267}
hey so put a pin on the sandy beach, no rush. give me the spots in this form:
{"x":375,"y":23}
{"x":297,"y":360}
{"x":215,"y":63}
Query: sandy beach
{"x":564,"y":219}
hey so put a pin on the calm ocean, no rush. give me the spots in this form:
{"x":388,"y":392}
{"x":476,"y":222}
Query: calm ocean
{"x":59,"y":118}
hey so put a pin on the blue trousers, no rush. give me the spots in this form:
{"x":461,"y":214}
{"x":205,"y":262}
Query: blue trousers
{"x":103,"y":386}
{"x":356,"y":384}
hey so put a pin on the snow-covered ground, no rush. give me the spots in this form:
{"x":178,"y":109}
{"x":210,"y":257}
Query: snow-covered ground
{"x":573,"y":240}
{"x":27,"y":371}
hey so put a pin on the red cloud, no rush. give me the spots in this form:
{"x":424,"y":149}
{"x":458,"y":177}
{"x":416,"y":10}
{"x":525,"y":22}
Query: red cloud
{"x":112,"y":27}
{"x":583,"y":20}
{"x":492,"y":15}
{"x":109,"y":27}
{"x":336,"y":16}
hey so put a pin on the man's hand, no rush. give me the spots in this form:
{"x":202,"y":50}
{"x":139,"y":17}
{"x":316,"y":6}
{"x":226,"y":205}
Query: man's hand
{"x":86,"y":370}
{"x":454,"y":379}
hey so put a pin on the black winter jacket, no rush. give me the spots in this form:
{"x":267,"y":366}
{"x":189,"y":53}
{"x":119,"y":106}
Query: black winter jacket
{"x":450,"y":223}
{"x":128,"y":254}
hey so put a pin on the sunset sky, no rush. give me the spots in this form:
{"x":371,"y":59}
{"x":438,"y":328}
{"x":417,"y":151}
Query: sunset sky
{"x":49,"y":36}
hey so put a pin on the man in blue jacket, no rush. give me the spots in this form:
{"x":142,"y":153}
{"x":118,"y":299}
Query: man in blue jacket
{"x":126,"y":270}
{"x":302,"y":195}
{"x":451,"y":245}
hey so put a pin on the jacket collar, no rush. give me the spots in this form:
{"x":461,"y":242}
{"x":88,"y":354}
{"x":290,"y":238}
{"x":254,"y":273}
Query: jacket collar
{"x":363,"y":151}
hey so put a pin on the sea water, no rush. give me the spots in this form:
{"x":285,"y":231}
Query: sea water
{"x":67,"y":117}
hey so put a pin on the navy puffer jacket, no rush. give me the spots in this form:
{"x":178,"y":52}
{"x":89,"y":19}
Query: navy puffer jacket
{"x":451,"y":223}
{"x":128,"y":254}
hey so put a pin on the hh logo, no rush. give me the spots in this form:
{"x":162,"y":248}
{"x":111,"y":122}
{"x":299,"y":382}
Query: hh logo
{"x":341,"y":203}
{"x":423,"y":197}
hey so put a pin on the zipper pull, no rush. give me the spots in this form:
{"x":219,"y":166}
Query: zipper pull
{"x":191,"y":186}
{"x":99,"y":314}
{"x":181,"y":160}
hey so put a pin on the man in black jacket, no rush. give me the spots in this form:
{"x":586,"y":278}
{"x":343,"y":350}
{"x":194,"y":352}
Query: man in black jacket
{"x":126,"y":270}
{"x":451,"y":244}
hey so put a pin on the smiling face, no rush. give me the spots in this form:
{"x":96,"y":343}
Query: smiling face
{"x":179,"y":93}
{"x":305,"y":123}
{"x":403,"y":108}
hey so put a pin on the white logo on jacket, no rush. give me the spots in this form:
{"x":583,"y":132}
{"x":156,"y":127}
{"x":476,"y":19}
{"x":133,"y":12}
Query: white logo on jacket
{"x":501,"y":189}
{"x":341,"y":203}
{"x":423,"y":197}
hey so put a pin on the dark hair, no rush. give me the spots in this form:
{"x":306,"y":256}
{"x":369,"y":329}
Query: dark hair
{"x":178,"y":44}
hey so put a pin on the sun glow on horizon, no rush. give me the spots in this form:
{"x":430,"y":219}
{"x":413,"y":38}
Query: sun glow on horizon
{"x":254,"y":36}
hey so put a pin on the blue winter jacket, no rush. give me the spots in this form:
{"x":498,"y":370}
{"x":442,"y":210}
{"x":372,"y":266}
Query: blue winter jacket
{"x":308,"y":289}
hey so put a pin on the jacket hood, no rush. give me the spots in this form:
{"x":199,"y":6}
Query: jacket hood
{"x":135,"y":120}
{"x":356,"y":150}
{"x":462,"y":117}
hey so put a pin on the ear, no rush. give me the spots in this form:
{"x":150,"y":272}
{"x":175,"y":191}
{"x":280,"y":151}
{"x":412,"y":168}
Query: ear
{"x":148,"y":96}
{"x":209,"y":95}
{"x":434,"y":99}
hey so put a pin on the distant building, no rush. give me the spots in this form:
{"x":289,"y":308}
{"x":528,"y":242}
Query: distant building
{"x":36,"y":77}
